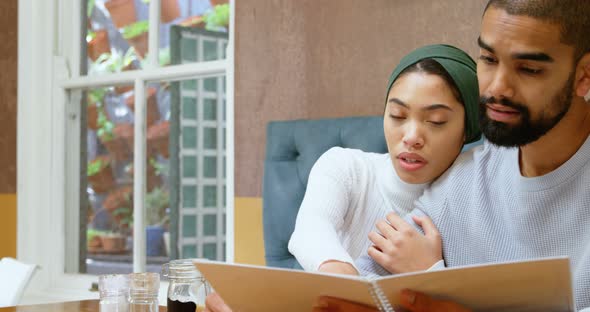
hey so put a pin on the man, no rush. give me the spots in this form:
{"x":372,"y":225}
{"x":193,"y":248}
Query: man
{"x":524,"y":194}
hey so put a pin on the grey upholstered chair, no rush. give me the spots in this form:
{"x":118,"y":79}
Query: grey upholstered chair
{"x":292,"y":147}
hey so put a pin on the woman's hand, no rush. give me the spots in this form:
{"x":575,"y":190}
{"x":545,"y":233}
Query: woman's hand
{"x":401,"y":249}
{"x":337,"y":267}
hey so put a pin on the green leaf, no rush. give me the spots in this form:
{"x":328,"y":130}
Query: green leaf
{"x":135,"y":29}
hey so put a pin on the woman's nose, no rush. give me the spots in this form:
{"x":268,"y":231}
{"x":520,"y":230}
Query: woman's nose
{"x":413,"y":138}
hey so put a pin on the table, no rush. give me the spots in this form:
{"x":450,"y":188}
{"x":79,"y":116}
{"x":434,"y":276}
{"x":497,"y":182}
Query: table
{"x":72,"y":306}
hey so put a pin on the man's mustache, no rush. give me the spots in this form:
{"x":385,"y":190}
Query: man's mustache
{"x":485,"y":100}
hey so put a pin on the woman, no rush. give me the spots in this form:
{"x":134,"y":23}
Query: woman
{"x":430,"y":113}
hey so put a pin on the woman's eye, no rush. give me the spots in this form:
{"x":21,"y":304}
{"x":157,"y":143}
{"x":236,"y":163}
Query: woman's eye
{"x":397,"y":117}
{"x":437,"y":123}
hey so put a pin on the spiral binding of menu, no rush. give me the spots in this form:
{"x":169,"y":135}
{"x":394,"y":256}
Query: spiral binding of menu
{"x":379,"y":296}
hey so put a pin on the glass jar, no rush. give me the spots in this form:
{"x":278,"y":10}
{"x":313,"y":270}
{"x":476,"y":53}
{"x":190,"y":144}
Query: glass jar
{"x":143,"y":292}
{"x":114,"y":291}
{"x":187,"y":289}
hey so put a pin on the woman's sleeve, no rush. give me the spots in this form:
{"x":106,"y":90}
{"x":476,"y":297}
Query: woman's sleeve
{"x":321,"y":215}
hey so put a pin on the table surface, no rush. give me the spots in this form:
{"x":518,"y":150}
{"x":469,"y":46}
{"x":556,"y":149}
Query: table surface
{"x":72,"y":306}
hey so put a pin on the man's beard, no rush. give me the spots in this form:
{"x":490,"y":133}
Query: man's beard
{"x":527,"y":130}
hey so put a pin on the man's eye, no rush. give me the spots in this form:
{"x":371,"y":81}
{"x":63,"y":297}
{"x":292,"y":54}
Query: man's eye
{"x":487,"y":59}
{"x":531,"y":71}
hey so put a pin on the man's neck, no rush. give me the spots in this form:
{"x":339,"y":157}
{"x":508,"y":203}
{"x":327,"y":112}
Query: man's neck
{"x":558,"y":145}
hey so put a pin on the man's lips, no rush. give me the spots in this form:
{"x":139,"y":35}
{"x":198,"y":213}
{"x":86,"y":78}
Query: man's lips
{"x":502,"y":113}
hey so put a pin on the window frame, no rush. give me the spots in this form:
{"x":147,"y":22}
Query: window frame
{"x":49,"y":52}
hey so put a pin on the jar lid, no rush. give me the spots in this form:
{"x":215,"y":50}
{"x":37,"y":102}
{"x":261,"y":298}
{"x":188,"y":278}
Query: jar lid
{"x":113,"y":285}
{"x":181,"y":269}
{"x":144,"y":283}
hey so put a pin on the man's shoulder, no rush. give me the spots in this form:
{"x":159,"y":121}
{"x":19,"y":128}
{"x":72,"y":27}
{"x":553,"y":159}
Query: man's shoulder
{"x":471,"y":166}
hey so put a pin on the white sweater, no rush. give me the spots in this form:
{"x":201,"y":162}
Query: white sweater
{"x":347,"y":193}
{"x":486,"y":211}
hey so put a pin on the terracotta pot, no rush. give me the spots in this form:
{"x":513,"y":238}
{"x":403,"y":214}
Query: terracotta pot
{"x":92,"y":116}
{"x":169,"y":10}
{"x":153,"y":114}
{"x":122,"y":12}
{"x":193,"y":21}
{"x":140,"y":43}
{"x":112,"y":243}
{"x":153,"y":180}
{"x":99,"y":45}
{"x":158,"y":137}
{"x":119,"y":198}
{"x":95,"y":242}
{"x":121,"y":145}
{"x":103,"y":180}
{"x":218,"y":2}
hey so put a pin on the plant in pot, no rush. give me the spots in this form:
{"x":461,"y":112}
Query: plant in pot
{"x":152,"y":176}
{"x":169,"y":10}
{"x":122,"y":12}
{"x":158,"y":137}
{"x":93,"y":241}
{"x":156,"y":203}
{"x":94,"y":107}
{"x":218,"y":18}
{"x":97,"y":43}
{"x":137,"y":36}
{"x":115,"y":62}
{"x":100,"y":174}
{"x":153,"y":113}
{"x":117,"y":139}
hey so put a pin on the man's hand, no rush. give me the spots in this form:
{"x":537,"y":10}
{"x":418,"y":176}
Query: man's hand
{"x":337,"y":267}
{"x":330,"y":304}
{"x":419,"y":302}
{"x":214,"y":303}
{"x":401,"y":249}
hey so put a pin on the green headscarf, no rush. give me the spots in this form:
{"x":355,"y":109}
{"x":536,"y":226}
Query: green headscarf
{"x":461,"y":68}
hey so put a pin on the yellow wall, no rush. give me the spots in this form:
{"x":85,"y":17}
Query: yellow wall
{"x":8,"y":225}
{"x":249,"y":244}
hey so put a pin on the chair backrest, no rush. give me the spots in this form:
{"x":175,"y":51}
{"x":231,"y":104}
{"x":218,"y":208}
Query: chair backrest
{"x":14,"y":277}
{"x":292,"y":147}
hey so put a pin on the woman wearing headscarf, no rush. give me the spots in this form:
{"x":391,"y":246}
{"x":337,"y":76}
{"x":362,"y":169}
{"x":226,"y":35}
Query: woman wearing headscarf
{"x":430,"y":113}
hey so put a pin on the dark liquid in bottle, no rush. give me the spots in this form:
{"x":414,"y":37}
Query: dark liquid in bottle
{"x":177,"y":306}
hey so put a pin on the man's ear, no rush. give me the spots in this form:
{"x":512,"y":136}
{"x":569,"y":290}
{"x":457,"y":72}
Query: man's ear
{"x":582,"y":83}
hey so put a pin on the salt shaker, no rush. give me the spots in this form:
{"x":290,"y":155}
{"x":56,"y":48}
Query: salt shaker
{"x":114,"y":291}
{"x":143,"y":292}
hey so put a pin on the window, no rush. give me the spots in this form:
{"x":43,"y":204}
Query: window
{"x":124,"y":138}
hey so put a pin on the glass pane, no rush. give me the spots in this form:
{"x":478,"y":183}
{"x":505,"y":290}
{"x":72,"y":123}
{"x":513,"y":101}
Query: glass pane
{"x":210,"y":251}
{"x":189,"y":226}
{"x":189,"y":251}
{"x":108,"y":143}
{"x":209,"y":225}
{"x":201,"y":149}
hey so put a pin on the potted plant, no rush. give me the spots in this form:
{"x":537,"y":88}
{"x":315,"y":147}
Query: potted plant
{"x":119,"y":198}
{"x":218,"y":2}
{"x":113,"y":242}
{"x":93,"y":241}
{"x":97,"y":43}
{"x":137,"y":36}
{"x":169,"y":10}
{"x":117,"y":139}
{"x":94,"y":107}
{"x":158,"y":138}
{"x":100,"y":174}
{"x":156,"y":203}
{"x":115,"y":62}
{"x":153,"y":113}
{"x":217,"y":18}
{"x":122,"y":12}
{"x":123,"y":218}
{"x":193,"y":21}
{"x":152,"y":174}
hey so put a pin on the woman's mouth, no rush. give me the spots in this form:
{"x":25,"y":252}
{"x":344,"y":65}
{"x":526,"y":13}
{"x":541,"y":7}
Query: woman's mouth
{"x":411,"y":161}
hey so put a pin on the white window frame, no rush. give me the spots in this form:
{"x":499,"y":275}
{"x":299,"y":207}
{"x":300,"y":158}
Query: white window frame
{"x":48,"y":177}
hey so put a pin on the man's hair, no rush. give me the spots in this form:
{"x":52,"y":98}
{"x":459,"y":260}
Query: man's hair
{"x":572,"y":16}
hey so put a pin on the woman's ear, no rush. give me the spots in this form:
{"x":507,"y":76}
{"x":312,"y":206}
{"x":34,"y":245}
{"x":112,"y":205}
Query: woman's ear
{"x":582,"y":83}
